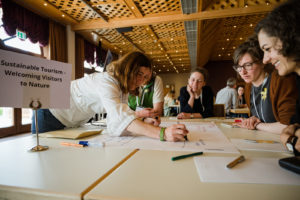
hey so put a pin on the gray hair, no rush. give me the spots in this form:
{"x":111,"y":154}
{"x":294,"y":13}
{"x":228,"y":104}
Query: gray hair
{"x":231,"y":82}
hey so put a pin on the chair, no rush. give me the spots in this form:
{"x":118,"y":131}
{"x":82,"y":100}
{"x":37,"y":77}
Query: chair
{"x":219,"y":110}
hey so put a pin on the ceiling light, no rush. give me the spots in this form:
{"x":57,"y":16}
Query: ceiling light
{"x":234,"y":26}
{"x":251,"y":25}
{"x":45,"y":4}
{"x":223,"y":48}
{"x":63,"y":15}
{"x":227,"y":39}
{"x":241,"y":38}
{"x":219,"y":55}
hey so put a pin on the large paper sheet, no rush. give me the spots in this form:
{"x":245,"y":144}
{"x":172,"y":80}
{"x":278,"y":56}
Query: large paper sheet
{"x":205,"y":136}
{"x":248,"y":145}
{"x":252,"y":170}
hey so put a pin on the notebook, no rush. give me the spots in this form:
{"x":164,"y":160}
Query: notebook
{"x":71,"y":133}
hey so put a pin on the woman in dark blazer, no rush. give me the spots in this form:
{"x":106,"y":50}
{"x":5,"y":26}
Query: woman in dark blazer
{"x":196,"y":99}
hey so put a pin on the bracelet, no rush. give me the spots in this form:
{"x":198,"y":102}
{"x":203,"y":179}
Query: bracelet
{"x":162,"y":134}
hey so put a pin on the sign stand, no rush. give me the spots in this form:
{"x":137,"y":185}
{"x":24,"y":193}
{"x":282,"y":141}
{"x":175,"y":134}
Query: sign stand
{"x":35,"y":105}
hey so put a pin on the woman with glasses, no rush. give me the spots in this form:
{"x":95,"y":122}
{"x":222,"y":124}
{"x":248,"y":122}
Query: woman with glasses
{"x":271,"y":98}
{"x":109,"y":91}
{"x":279,"y":38}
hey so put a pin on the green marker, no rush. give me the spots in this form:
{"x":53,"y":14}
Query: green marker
{"x":186,"y":156}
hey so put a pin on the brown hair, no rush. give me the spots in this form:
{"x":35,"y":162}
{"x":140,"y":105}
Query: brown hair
{"x":251,"y":46}
{"x":126,"y":68}
{"x":202,"y":71}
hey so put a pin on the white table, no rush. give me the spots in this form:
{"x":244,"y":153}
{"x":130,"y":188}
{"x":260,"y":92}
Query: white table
{"x":152,"y":175}
{"x":62,"y":172}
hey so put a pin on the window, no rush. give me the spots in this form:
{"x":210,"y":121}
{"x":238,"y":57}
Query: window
{"x":91,"y":68}
{"x":15,"y":120}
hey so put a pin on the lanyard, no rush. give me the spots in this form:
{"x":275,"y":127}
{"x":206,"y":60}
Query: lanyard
{"x":253,"y":99}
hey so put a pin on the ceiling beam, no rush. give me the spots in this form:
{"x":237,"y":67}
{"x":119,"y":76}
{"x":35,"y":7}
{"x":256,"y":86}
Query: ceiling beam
{"x":94,"y":10}
{"x":133,"y":8}
{"x":204,"y":15}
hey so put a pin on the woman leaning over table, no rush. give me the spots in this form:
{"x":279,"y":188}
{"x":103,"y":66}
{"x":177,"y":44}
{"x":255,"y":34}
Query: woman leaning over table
{"x":270,"y":97}
{"x":109,"y":91}
{"x":196,"y":99}
{"x":279,"y":38}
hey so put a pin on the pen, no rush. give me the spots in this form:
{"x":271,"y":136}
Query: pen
{"x":92,"y":144}
{"x":186,"y":156}
{"x":185,"y":137}
{"x":71,"y":144}
{"x":261,"y":141}
{"x":235,"y":162}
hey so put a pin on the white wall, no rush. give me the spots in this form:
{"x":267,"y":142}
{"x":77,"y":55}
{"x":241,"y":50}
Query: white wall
{"x":178,"y":80}
{"x":71,"y":49}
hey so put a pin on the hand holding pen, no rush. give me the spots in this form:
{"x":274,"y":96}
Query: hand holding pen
{"x":176,"y":132}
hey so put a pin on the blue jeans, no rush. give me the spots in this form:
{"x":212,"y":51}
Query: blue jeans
{"x":46,"y":121}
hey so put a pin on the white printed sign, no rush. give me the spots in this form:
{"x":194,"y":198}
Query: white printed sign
{"x":27,"y":78}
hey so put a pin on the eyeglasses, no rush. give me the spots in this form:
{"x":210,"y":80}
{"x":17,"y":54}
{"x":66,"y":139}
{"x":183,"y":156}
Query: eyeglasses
{"x":247,"y":66}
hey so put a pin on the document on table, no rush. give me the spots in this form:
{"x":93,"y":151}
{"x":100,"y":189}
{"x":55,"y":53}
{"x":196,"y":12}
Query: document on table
{"x":205,"y":136}
{"x":252,"y":170}
{"x":250,"y":145}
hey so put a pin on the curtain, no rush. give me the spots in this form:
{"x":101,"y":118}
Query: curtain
{"x":17,"y":17}
{"x":89,"y":50}
{"x":58,"y":42}
{"x":98,"y":54}
{"x":79,"y":56}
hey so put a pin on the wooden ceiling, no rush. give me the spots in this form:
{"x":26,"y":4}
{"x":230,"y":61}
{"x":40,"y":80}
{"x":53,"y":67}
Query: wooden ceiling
{"x":158,"y":26}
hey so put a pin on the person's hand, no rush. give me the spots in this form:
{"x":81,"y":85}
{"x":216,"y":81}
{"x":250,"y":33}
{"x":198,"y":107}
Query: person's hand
{"x":189,"y":89}
{"x":288,"y":131}
{"x":154,"y":121}
{"x":249,"y":123}
{"x":176,"y":133}
{"x":147,"y":112}
{"x":184,"y":115}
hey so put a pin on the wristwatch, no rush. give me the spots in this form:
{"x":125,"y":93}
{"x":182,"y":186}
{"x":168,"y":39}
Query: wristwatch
{"x":290,"y":143}
{"x":192,"y":116}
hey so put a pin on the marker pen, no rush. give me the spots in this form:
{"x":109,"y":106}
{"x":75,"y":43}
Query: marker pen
{"x":92,"y":144}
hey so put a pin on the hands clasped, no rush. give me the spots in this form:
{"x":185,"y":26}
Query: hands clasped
{"x":147,"y":112}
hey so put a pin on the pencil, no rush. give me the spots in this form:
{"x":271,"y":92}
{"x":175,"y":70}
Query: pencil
{"x":71,"y":144}
{"x":235,"y":162}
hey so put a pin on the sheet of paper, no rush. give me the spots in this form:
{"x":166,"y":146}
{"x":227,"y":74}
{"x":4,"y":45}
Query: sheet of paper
{"x":205,"y":136}
{"x":252,"y":170}
{"x":243,"y":144}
